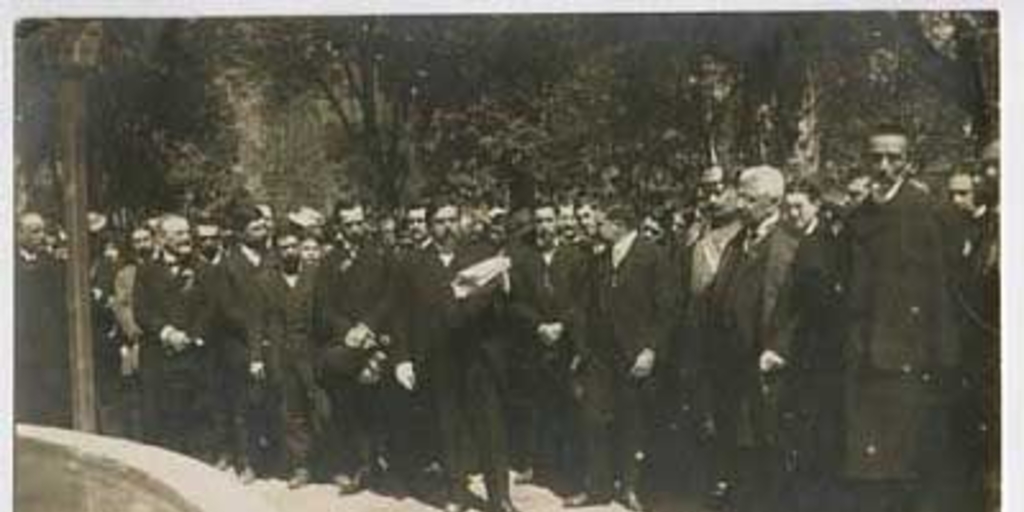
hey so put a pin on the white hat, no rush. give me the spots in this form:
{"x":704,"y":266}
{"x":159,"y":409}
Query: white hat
{"x":306,"y":217}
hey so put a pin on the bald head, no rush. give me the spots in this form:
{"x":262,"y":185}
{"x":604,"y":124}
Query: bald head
{"x":759,"y":193}
{"x":31,"y":231}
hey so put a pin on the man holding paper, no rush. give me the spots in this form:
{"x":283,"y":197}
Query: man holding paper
{"x":453,"y":348}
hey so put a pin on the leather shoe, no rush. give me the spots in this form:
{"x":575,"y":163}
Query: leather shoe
{"x":349,"y":484}
{"x":584,"y":499}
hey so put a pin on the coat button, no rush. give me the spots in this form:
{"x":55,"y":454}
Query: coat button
{"x":914,"y":310}
{"x":926,"y":377}
{"x":906,"y":368}
{"x":870,"y":450}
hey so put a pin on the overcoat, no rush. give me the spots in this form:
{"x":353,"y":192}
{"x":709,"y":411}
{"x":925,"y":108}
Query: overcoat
{"x":902,"y":351}
{"x":42,"y":366}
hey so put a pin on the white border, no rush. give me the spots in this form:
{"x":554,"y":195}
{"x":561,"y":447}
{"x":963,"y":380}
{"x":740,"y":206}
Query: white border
{"x":158,"y":8}
{"x":1012,"y":43}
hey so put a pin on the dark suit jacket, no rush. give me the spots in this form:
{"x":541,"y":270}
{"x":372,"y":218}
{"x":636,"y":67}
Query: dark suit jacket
{"x":241,"y":303}
{"x":817,"y":298}
{"x":543,"y":293}
{"x":289,"y":323}
{"x":353,"y":291}
{"x":748,"y":310}
{"x":441,"y":331}
{"x":165,"y":299}
{"x":630,"y":308}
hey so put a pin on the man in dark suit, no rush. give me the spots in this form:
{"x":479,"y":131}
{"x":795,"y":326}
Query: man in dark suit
{"x":746,"y":341}
{"x":289,"y":314}
{"x":628,"y":307}
{"x":817,"y":291}
{"x":239,"y":303}
{"x":545,"y":278}
{"x":454,"y":348}
{"x":42,"y":380}
{"x":903,"y":358}
{"x":353,"y":304}
{"x":175,"y":358}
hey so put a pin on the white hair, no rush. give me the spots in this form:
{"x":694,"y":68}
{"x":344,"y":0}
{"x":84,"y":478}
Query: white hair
{"x":170,"y":221}
{"x":765,"y":179}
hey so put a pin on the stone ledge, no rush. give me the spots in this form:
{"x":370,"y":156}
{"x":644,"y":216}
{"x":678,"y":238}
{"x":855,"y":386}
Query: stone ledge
{"x":58,"y":469}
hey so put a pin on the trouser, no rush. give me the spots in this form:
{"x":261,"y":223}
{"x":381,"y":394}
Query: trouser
{"x":131,"y":407}
{"x":469,"y":408}
{"x":752,"y":448}
{"x":176,"y":406}
{"x":818,"y":439}
{"x":614,"y":418}
{"x":233,"y":387}
{"x":356,"y":431}
{"x":295,"y":414}
{"x":542,"y":412}
{"x":413,"y":440}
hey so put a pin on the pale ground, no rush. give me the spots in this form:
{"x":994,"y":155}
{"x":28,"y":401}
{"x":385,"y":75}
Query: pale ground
{"x":325,"y":498}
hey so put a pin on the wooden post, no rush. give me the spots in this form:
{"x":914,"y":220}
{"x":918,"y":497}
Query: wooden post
{"x":80,"y":57}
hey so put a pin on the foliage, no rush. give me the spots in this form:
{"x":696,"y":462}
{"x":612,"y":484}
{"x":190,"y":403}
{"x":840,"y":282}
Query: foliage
{"x":505,"y":107}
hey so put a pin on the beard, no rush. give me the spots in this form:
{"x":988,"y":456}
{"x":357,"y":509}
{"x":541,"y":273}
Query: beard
{"x":291,"y":264}
{"x":210,"y":252}
{"x":183,"y":254}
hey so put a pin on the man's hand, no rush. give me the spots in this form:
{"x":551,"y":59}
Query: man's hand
{"x":177,"y":340}
{"x":644,"y":364}
{"x":256,"y":370}
{"x":550,"y":333}
{"x":356,"y":337}
{"x":574,"y":365}
{"x":406,"y":375}
{"x":770,"y":361}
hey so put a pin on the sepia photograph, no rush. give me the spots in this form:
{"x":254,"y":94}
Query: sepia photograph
{"x":500,"y":262}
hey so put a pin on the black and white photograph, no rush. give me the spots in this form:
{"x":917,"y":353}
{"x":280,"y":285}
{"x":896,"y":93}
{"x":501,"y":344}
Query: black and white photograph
{"x":699,"y":261}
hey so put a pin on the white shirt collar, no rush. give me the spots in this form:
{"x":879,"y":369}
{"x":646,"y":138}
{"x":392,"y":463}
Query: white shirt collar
{"x":980,"y":211}
{"x":251,"y":255}
{"x":622,"y":247}
{"x":888,"y":195}
{"x":549,"y":256}
{"x":28,"y":256}
{"x":812,"y":227}
{"x":291,"y":279}
{"x":446,"y":257}
{"x":767,"y":225}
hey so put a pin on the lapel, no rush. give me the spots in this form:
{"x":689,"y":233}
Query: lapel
{"x":629,"y":261}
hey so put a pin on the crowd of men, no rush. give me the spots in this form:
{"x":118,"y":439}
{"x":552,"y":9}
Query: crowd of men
{"x":783,"y":348}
